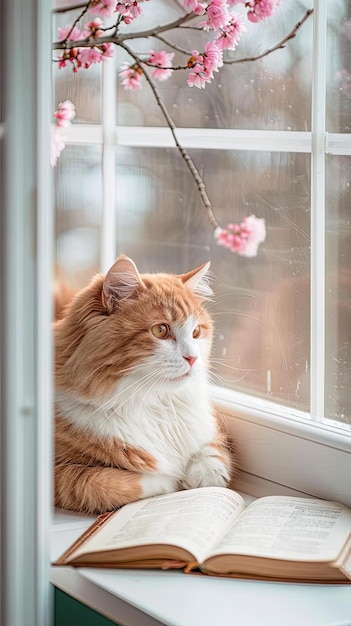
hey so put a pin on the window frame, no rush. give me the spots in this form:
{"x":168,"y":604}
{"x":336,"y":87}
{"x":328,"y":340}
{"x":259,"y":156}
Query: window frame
{"x":26,"y":253}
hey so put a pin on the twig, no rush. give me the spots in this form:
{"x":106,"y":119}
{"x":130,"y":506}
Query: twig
{"x":72,"y":7}
{"x":184,"y":153}
{"x":59,"y":45}
{"x":86,"y":8}
{"x":278,"y":46}
{"x":173,"y":45}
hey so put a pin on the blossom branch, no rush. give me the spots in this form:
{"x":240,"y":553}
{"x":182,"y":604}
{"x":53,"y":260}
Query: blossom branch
{"x":173,"y":45}
{"x":85,"y":10}
{"x":145,"y":34}
{"x":94,"y":43}
{"x":184,"y":153}
{"x":281,"y":44}
{"x":71,"y":7}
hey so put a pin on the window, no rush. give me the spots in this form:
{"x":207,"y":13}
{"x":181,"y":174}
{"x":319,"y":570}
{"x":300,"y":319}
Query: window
{"x":270,"y":138}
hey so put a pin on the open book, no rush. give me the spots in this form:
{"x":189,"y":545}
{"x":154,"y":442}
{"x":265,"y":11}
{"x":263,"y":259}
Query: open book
{"x":212,"y":530}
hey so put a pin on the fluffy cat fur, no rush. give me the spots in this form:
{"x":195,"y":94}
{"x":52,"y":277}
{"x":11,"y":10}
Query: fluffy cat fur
{"x":133,"y":411}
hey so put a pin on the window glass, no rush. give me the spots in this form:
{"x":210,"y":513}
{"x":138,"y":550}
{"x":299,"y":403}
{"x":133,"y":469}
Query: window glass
{"x":261,"y":307}
{"x":338,"y":289}
{"x":339,"y":67}
{"x":273,"y":93}
{"x":82,"y":87}
{"x":78,"y":213}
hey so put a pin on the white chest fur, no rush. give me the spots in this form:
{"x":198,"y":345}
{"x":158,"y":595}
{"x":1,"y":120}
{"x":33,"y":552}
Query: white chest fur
{"x":171,"y":426}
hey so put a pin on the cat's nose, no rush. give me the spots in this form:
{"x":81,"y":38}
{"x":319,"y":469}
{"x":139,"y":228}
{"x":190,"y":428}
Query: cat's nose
{"x":191,"y":360}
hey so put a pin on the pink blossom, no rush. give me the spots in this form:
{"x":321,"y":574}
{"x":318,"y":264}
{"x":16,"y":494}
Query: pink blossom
{"x":243,"y":238}
{"x":107,"y":50}
{"x":199,"y":77}
{"x":129,"y":10}
{"x":65,"y":113}
{"x":57,"y":145}
{"x":63,"y":118}
{"x":131,"y":77}
{"x":213,"y":56}
{"x":95,"y":28}
{"x":203,"y":65}
{"x":260,"y":9}
{"x":196,"y":7}
{"x":104,"y":8}
{"x":71,"y":55}
{"x":75,"y":35}
{"x":88,"y":56}
{"x":230,"y":34}
{"x":162,"y":60}
{"x":217,"y":15}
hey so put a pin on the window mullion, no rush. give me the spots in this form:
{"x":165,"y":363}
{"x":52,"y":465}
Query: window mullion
{"x":317,"y":318}
{"x":108,"y":218}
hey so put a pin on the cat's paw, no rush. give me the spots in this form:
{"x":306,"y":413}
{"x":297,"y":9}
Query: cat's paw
{"x":156,"y":484}
{"x":206,"y":469}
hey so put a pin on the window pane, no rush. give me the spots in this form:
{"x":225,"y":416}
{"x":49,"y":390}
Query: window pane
{"x":262,"y":304}
{"x":339,"y":67}
{"x":273,"y":93}
{"x":83,"y":87}
{"x":78,"y":213}
{"x":338,"y":289}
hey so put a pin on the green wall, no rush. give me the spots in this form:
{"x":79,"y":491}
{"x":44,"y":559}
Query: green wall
{"x":70,"y":612}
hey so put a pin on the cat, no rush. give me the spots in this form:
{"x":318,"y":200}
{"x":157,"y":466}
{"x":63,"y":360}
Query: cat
{"x":134,"y":416}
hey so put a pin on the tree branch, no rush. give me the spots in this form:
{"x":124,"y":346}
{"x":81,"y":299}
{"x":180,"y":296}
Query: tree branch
{"x":152,"y":32}
{"x":278,"y":46}
{"x":76,"y":22}
{"x":72,"y":7}
{"x":184,"y":153}
{"x":173,"y":45}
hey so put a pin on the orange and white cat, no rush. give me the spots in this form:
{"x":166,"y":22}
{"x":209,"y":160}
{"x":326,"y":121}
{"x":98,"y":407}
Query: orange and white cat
{"x":133,"y":411}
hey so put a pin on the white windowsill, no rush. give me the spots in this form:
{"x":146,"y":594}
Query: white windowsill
{"x":150,"y":598}
{"x":277,"y":456}
{"x":282,"y":452}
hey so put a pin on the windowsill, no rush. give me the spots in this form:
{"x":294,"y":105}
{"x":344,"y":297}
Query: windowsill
{"x":277,"y":455}
{"x":132,"y":597}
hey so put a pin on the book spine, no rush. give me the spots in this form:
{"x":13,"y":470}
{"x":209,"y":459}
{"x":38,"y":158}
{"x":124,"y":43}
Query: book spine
{"x":100,"y":521}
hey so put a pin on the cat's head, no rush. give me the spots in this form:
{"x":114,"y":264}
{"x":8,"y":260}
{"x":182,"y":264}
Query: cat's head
{"x":150,"y":327}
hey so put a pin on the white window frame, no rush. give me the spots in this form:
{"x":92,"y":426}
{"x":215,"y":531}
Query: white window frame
{"x":26,"y":245}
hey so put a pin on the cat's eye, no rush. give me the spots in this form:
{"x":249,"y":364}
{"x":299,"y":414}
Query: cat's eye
{"x":161,"y":331}
{"x":196,"y":332}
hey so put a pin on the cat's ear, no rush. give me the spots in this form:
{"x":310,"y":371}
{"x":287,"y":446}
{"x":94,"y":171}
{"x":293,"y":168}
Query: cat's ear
{"x":198,"y":280}
{"x":120,"y":282}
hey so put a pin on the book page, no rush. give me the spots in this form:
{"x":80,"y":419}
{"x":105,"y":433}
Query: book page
{"x":289,"y":528}
{"x":192,"y":519}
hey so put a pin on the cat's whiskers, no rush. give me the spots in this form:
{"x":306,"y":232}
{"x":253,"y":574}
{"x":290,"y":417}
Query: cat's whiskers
{"x":93,"y":372}
{"x":114,"y":406}
{"x":222,"y":362}
{"x":220,"y":379}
